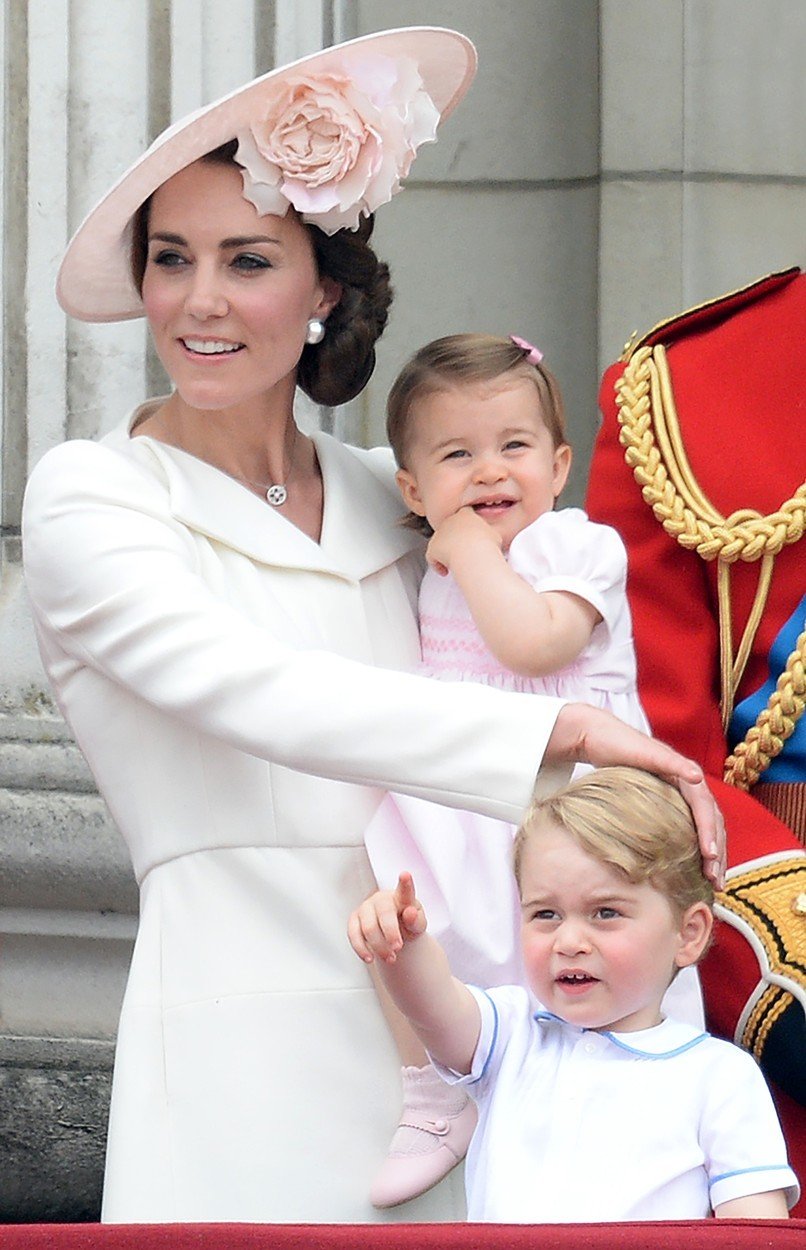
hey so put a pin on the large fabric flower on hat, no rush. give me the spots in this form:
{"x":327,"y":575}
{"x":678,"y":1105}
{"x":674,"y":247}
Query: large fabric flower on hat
{"x":335,"y":144}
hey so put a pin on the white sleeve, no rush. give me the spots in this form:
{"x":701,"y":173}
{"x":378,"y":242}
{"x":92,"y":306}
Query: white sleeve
{"x":113,"y":579}
{"x":502,"y":1013}
{"x":565,"y":551}
{"x":740,"y":1135}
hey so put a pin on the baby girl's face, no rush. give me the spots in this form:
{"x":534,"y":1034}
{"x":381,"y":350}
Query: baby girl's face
{"x":484,"y":446}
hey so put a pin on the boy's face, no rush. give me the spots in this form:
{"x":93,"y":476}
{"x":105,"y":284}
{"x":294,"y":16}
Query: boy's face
{"x":599,"y":951}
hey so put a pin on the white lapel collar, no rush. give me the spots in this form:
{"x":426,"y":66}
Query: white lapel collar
{"x":360,"y":531}
{"x":361,"y":527}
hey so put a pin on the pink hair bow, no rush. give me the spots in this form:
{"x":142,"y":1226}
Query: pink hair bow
{"x":532,"y":354}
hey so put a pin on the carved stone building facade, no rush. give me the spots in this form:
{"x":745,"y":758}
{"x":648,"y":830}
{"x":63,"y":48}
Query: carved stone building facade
{"x":615,"y":161}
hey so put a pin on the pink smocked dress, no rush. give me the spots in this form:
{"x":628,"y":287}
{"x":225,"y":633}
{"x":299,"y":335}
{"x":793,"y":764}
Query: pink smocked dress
{"x":461,"y":862}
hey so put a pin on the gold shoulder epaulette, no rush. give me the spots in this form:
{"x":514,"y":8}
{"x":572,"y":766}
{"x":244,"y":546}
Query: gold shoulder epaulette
{"x":766,"y":901}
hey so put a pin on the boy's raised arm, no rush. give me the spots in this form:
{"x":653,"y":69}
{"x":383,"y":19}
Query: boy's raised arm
{"x":390,"y":928}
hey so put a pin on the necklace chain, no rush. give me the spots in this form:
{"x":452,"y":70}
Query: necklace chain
{"x":275,"y":493}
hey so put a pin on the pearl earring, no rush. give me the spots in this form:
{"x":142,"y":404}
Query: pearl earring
{"x":315,"y":332}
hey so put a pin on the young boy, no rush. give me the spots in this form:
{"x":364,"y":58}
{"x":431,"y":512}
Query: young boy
{"x":592,"y":1107}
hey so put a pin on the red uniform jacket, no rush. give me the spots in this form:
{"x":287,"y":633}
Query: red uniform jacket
{"x":738,"y":377}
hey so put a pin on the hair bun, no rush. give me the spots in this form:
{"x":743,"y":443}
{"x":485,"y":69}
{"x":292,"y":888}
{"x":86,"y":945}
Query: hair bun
{"x":338,"y":368}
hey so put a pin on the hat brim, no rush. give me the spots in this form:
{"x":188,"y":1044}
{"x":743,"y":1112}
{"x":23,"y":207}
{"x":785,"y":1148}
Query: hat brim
{"x":94,"y":282}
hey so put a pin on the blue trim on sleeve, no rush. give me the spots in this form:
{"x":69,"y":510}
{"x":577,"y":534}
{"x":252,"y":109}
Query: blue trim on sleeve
{"x":769,"y":1167}
{"x":494,"y":1039}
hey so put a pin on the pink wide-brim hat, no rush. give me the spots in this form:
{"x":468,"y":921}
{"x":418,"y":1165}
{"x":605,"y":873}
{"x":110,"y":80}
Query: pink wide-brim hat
{"x":95,"y":283}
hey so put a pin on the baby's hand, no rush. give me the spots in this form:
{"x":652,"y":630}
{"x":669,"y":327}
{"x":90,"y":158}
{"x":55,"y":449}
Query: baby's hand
{"x":384,"y":921}
{"x":458,"y":533}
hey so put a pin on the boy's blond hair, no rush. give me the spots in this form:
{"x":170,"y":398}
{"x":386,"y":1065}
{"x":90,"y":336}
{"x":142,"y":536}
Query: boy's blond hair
{"x":633,"y":822}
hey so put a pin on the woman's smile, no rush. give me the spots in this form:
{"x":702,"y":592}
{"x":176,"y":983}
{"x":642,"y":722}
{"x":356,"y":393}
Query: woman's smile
{"x":209,"y":347}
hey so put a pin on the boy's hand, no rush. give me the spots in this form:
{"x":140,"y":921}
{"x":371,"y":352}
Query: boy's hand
{"x":384,"y":921}
{"x":455,"y":535}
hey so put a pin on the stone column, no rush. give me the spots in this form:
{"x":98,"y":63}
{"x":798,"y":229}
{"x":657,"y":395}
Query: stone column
{"x":498,"y":228}
{"x":703,"y":154}
{"x":88,"y":84}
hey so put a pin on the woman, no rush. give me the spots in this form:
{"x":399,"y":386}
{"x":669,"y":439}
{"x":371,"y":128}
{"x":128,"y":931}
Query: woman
{"x":224,"y":607}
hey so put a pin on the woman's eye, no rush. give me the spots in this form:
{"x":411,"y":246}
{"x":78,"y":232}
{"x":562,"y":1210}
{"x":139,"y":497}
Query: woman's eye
{"x":248,"y":262}
{"x":167,"y":258}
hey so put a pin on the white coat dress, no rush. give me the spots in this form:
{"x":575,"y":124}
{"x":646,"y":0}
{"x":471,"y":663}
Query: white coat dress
{"x":233,"y":687}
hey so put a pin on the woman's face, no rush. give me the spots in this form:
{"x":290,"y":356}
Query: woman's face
{"x":228,"y":293}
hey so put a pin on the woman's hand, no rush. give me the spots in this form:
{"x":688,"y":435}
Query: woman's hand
{"x":589,"y":735}
{"x":384,"y":921}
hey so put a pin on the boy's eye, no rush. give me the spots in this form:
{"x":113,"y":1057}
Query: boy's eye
{"x":544,"y":913}
{"x":608,"y":913}
{"x":457,"y":454}
{"x":514,"y":444}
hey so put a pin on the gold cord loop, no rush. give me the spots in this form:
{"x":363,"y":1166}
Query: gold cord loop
{"x":776,"y":722}
{"x":650,"y":434}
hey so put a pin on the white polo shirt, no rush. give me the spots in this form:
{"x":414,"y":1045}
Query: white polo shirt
{"x":583,"y":1126}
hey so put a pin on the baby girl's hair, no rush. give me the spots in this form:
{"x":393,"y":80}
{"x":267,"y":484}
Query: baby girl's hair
{"x":631,"y":821}
{"x":460,"y":359}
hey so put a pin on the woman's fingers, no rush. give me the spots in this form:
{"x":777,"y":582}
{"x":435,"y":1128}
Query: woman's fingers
{"x":710,"y":829}
{"x":590,"y":735}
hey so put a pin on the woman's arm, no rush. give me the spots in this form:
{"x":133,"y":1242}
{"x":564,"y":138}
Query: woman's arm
{"x":390,"y":928}
{"x":114,"y":586}
{"x":113,"y":579}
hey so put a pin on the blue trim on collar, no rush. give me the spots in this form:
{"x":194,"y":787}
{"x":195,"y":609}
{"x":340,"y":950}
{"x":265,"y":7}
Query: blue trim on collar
{"x":676,"y":1028}
{"x":655,"y":1054}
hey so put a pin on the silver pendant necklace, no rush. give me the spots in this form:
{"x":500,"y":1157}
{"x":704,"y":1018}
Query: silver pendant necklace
{"x":276,"y":495}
